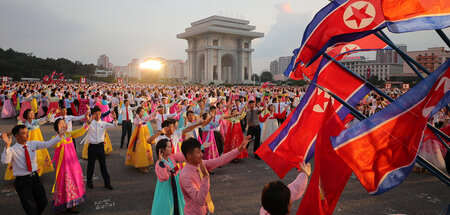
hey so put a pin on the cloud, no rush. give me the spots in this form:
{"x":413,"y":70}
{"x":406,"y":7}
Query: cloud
{"x":283,"y":36}
{"x":287,"y":7}
{"x":31,"y":27}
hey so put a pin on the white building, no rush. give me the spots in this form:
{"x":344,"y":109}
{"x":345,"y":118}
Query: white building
{"x":120,"y":71}
{"x":368,"y":68}
{"x":102,"y":73}
{"x":133,"y":70}
{"x":175,"y":70}
{"x":219,"y":50}
{"x":273,"y":67}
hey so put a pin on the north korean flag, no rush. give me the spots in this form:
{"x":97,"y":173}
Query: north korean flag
{"x":341,"y":21}
{"x":382,"y":149}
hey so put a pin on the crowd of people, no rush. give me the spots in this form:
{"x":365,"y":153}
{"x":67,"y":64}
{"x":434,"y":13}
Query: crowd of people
{"x":193,"y":130}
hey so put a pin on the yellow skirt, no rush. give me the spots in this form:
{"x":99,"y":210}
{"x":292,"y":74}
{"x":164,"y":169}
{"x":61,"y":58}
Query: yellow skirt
{"x":107,"y":145}
{"x":142,"y":156}
{"x":44,"y":162}
{"x":34,"y":106}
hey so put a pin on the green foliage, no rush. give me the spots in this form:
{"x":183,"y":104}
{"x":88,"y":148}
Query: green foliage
{"x":266,"y":76}
{"x":18,"y":65}
{"x":374,"y":80}
{"x":292,"y":82}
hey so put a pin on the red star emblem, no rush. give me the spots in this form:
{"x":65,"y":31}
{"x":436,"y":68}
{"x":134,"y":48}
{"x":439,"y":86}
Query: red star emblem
{"x":359,"y":15}
{"x":321,"y":100}
{"x":347,"y":49}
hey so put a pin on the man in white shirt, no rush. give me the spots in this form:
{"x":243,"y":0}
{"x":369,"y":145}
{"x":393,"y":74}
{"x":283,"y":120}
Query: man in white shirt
{"x":167,"y":106}
{"x":96,"y":138}
{"x":162,"y":116}
{"x":22,"y":157}
{"x":169,"y":132}
{"x":115,"y":104}
{"x":127,"y":121}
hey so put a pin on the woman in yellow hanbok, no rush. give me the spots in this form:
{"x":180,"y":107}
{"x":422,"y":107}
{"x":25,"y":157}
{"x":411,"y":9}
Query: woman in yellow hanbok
{"x":44,"y":161}
{"x":139,"y":152}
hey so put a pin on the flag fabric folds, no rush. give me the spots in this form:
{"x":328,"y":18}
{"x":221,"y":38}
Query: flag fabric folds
{"x":381,"y":150}
{"x":330,"y":174}
{"x":416,"y":15}
{"x":368,"y":43}
{"x":339,"y":21}
{"x":293,"y":141}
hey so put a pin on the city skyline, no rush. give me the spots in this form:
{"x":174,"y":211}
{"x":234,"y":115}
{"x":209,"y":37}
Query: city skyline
{"x":83,"y":30}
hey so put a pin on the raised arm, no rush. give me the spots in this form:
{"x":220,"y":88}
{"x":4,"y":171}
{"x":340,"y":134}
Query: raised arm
{"x":198,"y":194}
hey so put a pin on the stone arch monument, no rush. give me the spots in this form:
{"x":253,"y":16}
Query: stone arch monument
{"x":219,"y":50}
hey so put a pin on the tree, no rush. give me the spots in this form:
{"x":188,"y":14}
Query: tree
{"x":374,"y":80}
{"x":255,"y":76}
{"x":266,"y":76}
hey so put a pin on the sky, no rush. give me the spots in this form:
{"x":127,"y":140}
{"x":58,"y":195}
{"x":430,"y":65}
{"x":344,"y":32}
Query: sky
{"x":83,"y":30}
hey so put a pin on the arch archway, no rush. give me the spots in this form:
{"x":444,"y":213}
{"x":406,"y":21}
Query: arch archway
{"x":228,"y":68}
{"x":199,"y":74}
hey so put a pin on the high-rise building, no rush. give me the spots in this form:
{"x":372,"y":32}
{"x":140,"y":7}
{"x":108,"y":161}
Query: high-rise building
{"x":390,"y":56}
{"x":103,"y":61}
{"x":274,"y":67}
{"x":133,"y":69}
{"x":431,"y":59}
{"x":283,"y":63}
{"x":175,"y":70}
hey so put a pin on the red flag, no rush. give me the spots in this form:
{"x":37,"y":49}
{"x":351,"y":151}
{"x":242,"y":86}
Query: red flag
{"x":382,"y":149}
{"x":339,"y":21}
{"x":416,"y":15}
{"x":294,"y":140}
{"x":330,"y":174}
{"x":367,"y":43}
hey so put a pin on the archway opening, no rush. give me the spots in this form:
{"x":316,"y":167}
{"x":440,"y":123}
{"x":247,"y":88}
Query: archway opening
{"x":227,"y":68}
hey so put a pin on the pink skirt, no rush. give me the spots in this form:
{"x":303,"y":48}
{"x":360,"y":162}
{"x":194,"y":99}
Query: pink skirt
{"x":211,"y":152}
{"x":69,"y":185}
{"x":25,"y":106}
{"x":8,"y":109}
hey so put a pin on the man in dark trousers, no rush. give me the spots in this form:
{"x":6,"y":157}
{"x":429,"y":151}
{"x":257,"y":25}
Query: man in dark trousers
{"x":254,"y":129}
{"x":96,"y":150}
{"x":22,"y":157}
{"x":127,"y":121}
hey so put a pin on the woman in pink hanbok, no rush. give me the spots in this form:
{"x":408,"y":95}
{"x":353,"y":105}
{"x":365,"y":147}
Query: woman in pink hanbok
{"x":68,"y":189}
{"x":103,"y":105}
{"x":8,"y":108}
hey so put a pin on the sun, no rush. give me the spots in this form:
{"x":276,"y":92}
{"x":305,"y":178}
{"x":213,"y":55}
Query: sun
{"x":151,"y":65}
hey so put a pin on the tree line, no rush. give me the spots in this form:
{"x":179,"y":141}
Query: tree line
{"x":25,"y":65}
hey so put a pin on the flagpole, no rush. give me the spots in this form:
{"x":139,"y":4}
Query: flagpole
{"x":380,"y":34}
{"x":436,"y":131}
{"x":443,"y":36}
{"x":421,"y":161}
{"x":405,"y":57}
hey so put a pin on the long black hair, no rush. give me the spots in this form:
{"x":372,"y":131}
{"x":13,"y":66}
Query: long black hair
{"x":162,"y":144}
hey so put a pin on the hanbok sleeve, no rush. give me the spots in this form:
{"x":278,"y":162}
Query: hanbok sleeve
{"x":179,"y":157}
{"x":264,"y":118}
{"x":79,"y":132}
{"x":280,"y":115}
{"x":161,"y":171}
{"x":298,"y":186}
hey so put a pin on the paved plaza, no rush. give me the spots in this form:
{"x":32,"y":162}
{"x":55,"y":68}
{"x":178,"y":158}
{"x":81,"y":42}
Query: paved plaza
{"x":235,"y":188}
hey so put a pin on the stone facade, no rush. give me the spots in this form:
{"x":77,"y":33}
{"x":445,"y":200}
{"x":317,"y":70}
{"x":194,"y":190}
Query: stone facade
{"x":219,"y":50}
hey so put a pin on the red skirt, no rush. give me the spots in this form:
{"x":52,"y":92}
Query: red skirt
{"x":234,"y":139}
